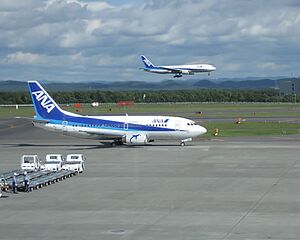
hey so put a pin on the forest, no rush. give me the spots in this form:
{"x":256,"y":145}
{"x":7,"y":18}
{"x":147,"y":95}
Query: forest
{"x":202,"y":95}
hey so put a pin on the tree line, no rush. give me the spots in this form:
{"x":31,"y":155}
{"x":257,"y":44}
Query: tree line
{"x":202,"y":95}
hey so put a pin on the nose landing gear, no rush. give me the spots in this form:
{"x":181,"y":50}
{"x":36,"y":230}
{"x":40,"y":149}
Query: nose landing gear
{"x":184,"y":141}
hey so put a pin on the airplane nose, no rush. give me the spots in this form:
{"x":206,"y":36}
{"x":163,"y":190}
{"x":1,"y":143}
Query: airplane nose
{"x":213,"y":68}
{"x":201,"y":130}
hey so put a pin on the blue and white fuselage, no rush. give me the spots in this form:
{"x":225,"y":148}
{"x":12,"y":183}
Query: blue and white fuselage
{"x":178,"y":70}
{"x":127,"y":129}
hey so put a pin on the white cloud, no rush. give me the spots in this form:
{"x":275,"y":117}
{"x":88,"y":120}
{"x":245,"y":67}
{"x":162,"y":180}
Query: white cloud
{"x":98,"y":6}
{"x":25,"y":58}
{"x":271,"y":66}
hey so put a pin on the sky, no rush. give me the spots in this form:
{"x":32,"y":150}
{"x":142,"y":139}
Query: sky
{"x":82,"y":40}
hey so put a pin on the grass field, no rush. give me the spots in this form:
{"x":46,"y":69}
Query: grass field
{"x":229,"y":129}
{"x":201,"y":112}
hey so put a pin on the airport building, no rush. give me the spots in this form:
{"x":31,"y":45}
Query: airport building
{"x":289,"y":86}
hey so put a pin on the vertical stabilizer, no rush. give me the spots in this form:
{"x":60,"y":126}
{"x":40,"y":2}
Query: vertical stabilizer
{"x":45,"y":107}
{"x":147,"y":62}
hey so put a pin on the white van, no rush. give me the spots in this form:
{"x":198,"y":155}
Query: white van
{"x":53,"y":162}
{"x":74,"y":162}
{"x":30,"y":163}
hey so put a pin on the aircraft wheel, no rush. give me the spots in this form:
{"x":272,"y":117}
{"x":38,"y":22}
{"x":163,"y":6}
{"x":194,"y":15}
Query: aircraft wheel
{"x":182,"y":144}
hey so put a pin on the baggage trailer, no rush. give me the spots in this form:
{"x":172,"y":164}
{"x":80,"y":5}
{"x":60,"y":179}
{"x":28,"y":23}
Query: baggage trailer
{"x":42,"y":175}
{"x":37,"y":179}
{"x":49,"y":178}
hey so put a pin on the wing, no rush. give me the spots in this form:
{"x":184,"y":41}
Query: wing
{"x":34,"y":120}
{"x":103,"y":135}
{"x":172,"y":70}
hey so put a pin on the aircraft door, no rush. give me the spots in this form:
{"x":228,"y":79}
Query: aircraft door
{"x":64,"y":126}
{"x":177,"y":125}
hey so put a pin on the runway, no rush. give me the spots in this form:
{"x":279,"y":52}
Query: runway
{"x":223,"y":189}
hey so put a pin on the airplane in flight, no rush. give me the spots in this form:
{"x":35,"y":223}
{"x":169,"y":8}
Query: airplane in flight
{"x":178,"y":70}
{"x":129,"y":130}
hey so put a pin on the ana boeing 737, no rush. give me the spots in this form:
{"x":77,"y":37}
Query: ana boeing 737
{"x":131,"y":130}
{"x":178,"y":70}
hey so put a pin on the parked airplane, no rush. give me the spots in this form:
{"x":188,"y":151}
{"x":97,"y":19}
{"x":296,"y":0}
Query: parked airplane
{"x":131,"y":130}
{"x":178,"y":70}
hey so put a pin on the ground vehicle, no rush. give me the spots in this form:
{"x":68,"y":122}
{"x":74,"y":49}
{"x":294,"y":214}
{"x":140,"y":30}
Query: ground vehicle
{"x":74,"y":162}
{"x":4,"y":187}
{"x":30,"y":163}
{"x":53,"y":162}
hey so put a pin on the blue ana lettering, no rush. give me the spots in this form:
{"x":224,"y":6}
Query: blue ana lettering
{"x":160,"y":120}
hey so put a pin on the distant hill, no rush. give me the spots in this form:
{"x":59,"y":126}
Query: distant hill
{"x":181,"y":84}
{"x":8,"y":86}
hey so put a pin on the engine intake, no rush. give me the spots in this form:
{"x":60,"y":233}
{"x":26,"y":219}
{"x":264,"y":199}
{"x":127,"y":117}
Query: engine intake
{"x":135,"y":139}
{"x":187,"y":72}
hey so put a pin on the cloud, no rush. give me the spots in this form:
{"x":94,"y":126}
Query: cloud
{"x":17,"y":5}
{"x":24,"y":58}
{"x":271,"y":66}
{"x":103,"y":41}
{"x":98,"y":6}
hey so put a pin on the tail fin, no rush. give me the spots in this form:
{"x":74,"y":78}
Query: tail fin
{"x":45,"y":107}
{"x":147,"y":62}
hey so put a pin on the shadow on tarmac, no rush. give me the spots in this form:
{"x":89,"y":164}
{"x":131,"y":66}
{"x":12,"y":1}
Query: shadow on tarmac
{"x":102,"y":145}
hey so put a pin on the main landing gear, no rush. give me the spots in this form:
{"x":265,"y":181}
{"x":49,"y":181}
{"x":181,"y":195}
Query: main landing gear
{"x":177,"y":75}
{"x":184,"y":141}
{"x":116,"y":142}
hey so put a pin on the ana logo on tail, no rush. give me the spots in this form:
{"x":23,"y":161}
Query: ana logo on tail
{"x":44,"y":100}
{"x":147,"y":62}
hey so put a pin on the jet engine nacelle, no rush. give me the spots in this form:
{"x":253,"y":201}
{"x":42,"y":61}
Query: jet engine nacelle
{"x":187,"y":72}
{"x":135,"y":139}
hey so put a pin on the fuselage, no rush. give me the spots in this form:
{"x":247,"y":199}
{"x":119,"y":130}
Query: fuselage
{"x":184,"y":69}
{"x":109,"y":127}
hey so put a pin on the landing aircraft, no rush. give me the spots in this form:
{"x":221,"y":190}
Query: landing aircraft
{"x":178,"y":70}
{"x":130,"y":130}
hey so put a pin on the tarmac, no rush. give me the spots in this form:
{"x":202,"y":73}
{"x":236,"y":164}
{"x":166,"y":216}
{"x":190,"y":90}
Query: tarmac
{"x":238,"y":188}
